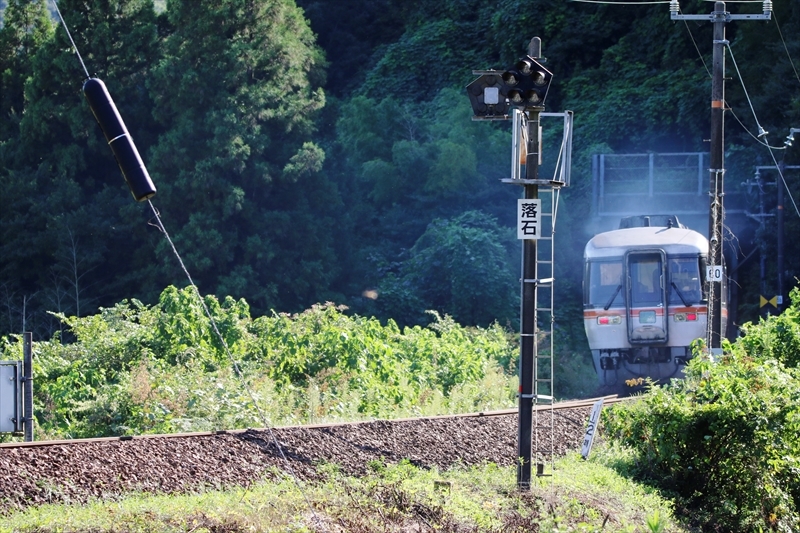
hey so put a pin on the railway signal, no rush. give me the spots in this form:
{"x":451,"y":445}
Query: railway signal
{"x":522,"y":85}
{"x":526,"y":83}
{"x":518,"y":93}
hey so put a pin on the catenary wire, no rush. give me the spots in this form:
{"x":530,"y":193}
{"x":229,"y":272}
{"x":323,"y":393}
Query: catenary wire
{"x":702,"y":59}
{"x":750,"y":133}
{"x":770,"y":148}
{"x":744,"y":88}
{"x":785,"y":47}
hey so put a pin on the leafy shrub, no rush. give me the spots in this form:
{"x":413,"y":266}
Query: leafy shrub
{"x":137,"y":369}
{"x":725,"y":439}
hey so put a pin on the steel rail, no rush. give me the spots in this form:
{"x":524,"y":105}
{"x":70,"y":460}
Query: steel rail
{"x":569,"y":404}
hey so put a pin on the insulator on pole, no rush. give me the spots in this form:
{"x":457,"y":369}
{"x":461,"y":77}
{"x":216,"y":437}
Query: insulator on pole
{"x":120,"y":141}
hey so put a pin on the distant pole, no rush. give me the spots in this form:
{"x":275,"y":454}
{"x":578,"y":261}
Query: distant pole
{"x":27,"y":387}
{"x":717,"y":171}
{"x":779,"y":220}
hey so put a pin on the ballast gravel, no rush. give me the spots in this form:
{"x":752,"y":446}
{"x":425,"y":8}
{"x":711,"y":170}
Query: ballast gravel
{"x":80,"y":471}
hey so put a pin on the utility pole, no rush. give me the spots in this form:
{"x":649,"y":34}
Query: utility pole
{"x":27,"y":387}
{"x":715,"y":272}
{"x":717,"y":177}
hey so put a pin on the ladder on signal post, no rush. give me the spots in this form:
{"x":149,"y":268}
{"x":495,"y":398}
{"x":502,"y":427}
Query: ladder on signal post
{"x":543,"y":442}
{"x":537,"y":396}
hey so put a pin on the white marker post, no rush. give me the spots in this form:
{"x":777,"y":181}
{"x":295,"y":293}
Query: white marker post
{"x":594,"y":418}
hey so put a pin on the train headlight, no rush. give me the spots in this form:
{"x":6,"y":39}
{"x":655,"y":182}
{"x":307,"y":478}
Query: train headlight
{"x":685,"y":317}
{"x":608,"y":320}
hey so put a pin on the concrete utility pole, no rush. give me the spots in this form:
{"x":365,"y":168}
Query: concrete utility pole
{"x":716,"y":215}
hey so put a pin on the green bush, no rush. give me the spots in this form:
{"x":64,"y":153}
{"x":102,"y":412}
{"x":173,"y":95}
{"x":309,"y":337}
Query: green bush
{"x":136,"y":369}
{"x":726,"y":439}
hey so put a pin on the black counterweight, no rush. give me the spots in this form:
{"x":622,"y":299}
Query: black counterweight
{"x":120,"y":141}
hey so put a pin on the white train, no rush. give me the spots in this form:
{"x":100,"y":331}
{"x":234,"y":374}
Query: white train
{"x":644,"y":298}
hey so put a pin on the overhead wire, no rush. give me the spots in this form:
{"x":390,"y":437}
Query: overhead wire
{"x":621,"y":3}
{"x":213,"y":323}
{"x":761,"y":129}
{"x":728,"y":108}
{"x":785,"y":47}
{"x":702,"y":59}
{"x":750,"y":133}
{"x":74,"y":47}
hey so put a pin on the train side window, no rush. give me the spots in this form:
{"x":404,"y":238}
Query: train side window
{"x":605,"y":279}
{"x":685,"y":281}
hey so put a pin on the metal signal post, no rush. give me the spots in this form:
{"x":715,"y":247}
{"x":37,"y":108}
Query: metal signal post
{"x":518,"y":94}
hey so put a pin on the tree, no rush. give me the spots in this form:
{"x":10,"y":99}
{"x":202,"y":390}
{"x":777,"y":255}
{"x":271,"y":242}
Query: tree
{"x":26,"y":27}
{"x":462,"y":267}
{"x":58,"y":171}
{"x":237,"y":93}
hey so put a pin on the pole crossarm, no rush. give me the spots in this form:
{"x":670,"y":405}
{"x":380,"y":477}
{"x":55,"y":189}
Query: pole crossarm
{"x":728,"y":17}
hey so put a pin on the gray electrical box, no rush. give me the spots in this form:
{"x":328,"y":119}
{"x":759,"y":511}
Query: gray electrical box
{"x":10,"y":396}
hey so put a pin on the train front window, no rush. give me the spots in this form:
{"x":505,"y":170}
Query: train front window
{"x":645,"y":272}
{"x":685,"y":286}
{"x":605,"y":283}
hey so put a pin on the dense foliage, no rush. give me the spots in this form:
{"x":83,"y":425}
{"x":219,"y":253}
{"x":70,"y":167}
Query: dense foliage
{"x":135,"y":369}
{"x":297,"y":167}
{"x":725,"y":439}
{"x":324,"y":151}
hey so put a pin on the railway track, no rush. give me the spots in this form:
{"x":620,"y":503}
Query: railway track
{"x":83,"y":469}
{"x":198,"y":434}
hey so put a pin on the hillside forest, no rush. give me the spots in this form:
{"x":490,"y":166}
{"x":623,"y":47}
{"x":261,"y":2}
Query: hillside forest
{"x":308,"y":152}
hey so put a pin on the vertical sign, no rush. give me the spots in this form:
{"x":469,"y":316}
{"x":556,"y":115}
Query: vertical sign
{"x":529,"y":218}
{"x":591,"y":427}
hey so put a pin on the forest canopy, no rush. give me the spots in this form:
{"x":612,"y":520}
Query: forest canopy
{"x":324,"y":151}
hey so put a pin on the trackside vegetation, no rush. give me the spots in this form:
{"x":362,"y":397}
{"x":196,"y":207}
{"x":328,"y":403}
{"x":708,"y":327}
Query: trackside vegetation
{"x":134,"y":369}
{"x":391,"y":498}
{"x":719,"y":450}
{"x":726,"y":440}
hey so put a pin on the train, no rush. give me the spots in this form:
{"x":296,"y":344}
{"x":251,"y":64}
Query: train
{"x":645,"y":299}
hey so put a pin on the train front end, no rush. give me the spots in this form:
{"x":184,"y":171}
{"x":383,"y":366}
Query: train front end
{"x":644,"y":303}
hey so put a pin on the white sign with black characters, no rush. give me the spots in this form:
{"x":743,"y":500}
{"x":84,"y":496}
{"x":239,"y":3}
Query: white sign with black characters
{"x":714,"y":273}
{"x":529,"y":218}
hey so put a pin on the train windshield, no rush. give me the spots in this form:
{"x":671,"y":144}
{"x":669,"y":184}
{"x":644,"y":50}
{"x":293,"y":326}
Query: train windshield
{"x":685,"y":287}
{"x":645,"y":273}
{"x":605,"y":283}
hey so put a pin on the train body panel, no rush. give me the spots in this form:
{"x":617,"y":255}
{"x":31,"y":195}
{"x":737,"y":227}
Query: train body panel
{"x":644,"y":301}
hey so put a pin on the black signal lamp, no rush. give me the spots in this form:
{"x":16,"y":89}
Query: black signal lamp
{"x":526,"y":83}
